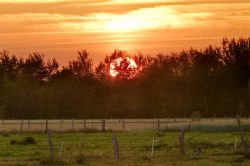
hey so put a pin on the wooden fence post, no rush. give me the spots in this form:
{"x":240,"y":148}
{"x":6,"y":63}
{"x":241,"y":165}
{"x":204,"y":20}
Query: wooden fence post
{"x":123,"y":124}
{"x":242,"y":136}
{"x":81,"y":122}
{"x":182,"y":142}
{"x":72,"y":125}
{"x":235,"y":143}
{"x":61,"y":124}
{"x":46,"y":125}
{"x":43,"y":130}
{"x":28,"y":124}
{"x":84,"y":124}
{"x":103,"y":125}
{"x":92,"y":123}
{"x":51,"y":144}
{"x":158,"y":125}
{"x":61,"y":152}
{"x":116,"y":146}
{"x":152,"y":150}
{"x":189,"y":126}
{"x":21,"y":126}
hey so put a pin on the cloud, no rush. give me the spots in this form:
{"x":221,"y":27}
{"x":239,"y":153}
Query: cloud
{"x":74,"y":7}
{"x":139,"y":20}
{"x":119,"y":16}
{"x":148,"y":25}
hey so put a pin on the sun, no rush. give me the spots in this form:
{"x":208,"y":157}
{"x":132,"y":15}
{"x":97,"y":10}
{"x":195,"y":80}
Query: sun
{"x":125,"y":68}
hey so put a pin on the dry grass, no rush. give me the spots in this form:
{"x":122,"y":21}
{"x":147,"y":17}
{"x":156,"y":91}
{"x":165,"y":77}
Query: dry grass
{"x":117,"y":125}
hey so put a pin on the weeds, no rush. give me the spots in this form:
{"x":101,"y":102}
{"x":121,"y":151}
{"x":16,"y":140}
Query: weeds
{"x":50,"y":161}
{"x":25,"y":141}
{"x":80,"y":159}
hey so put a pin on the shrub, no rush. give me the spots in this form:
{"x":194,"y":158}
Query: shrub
{"x":13,"y":142}
{"x":5,"y":134}
{"x":25,"y":141}
{"x":28,"y":141}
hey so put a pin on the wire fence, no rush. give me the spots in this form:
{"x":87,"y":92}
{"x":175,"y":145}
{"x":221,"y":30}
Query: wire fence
{"x":64,"y":125}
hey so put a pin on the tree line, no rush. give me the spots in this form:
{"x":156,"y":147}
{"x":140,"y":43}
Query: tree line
{"x":208,"y":82}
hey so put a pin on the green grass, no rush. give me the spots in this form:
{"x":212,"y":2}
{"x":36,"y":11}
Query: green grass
{"x":135,"y":149}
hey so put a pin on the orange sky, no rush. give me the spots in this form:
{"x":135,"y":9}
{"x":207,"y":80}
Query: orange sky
{"x":58,"y":28}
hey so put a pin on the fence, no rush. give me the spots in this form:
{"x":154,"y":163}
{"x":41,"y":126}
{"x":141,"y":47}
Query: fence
{"x":114,"y":124}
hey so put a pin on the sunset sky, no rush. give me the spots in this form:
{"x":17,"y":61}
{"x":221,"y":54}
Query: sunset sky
{"x":59,"y":28}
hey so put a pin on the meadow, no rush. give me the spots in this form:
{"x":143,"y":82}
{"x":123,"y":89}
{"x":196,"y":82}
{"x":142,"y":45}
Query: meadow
{"x":219,"y":145}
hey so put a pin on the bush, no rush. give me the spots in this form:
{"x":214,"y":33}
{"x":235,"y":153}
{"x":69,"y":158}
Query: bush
{"x":13,"y":142}
{"x":25,"y":141}
{"x":158,"y":134}
{"x":5,"y":134}
{"x":28,"y":141}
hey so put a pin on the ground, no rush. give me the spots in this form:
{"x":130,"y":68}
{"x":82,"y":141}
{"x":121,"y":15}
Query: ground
{"x":95,"y":148}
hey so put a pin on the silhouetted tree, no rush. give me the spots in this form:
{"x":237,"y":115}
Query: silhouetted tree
{"x":35,"y":66}
{"x":82,"y":66}
{"x":207,"y":82}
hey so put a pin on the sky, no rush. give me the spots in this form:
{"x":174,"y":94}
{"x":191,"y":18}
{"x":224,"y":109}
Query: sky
{"x":59,"y":28}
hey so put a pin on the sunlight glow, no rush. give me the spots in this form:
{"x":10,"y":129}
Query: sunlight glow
{"x":143,"y":19}
{"x":59,"y":27}
{"x":139,"y":20}
{"x":118,"y":63}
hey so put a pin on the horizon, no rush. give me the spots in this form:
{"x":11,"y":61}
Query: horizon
{"x":60,"y":28}
{"x":129,"y":54}
{"x":125,"y":82}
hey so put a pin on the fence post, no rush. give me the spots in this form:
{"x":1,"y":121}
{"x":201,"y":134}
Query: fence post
{"x":61,"y":124}
{"x":61,"y":152}
{"x":152,"y":150}
{"x":242,"y":136}
{"x":235,"y":143}
{"x":84,"y":124}
{"x":28,"y":124}
{"x":46,"y":125}
{"x":116,"y":146}
{"x":50,"y":145}
{"x":182,"y":143}
{"x":72,"y":125}
{"x":123,"y":124}
{"x":189,"y":126}
{"x":92,"y":124}
{"x":158,"y":125}
{"x":21,"y":126}
{"x":103,"y":125}
{"x":81,"y":122}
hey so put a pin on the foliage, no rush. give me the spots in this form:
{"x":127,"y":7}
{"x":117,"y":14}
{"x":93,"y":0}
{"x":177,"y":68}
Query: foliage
{"x":26,"y":141}
{"x":212,"y":81}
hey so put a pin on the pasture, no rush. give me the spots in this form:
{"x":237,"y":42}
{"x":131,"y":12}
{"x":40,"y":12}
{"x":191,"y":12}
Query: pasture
{"x":209,"y":142}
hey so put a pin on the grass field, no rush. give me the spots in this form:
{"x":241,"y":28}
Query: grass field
{"x":95,"y":148}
